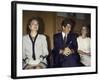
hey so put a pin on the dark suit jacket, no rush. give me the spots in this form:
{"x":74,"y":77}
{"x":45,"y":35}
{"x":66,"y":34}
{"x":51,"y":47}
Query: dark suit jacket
{"x":61,"y":60}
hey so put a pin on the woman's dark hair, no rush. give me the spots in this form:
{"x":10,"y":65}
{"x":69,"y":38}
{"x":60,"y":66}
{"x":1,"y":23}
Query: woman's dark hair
{"x":68,"y":21}
{"x":40,"y":22}
{"x":88,"y":30}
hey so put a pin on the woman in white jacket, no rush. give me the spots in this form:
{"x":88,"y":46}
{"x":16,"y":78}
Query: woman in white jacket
{"x":34,"y":47}
{"x":84,"y":48}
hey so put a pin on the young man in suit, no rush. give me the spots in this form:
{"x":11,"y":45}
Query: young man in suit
{"x":65,"y":46}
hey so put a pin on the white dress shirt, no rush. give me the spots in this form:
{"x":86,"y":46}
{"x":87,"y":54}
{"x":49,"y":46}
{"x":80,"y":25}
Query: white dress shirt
{"x":63,"y":34}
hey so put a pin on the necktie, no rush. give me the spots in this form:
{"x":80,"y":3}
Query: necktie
{"x":65,"y":39}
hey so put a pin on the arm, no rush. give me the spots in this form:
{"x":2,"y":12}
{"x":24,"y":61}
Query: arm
{"x":71,"y":46}
{"x":74,"y":46}
{"x":43,"y":57}
{"x":81,"y":48}
{"x":83,"y":53}
{"x":24,"y":55}
{"x":55,"y":42}
{"x":57,"y":45}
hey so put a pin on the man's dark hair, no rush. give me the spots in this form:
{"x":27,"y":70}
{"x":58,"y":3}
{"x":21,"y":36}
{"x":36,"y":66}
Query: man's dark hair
{"x":88,"y":30}
{"x":67,"y":21}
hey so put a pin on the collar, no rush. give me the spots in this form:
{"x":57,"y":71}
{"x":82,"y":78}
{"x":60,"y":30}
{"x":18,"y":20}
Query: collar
{"x":63,"y":34}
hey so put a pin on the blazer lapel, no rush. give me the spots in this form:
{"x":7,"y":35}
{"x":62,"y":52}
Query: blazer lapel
{"x":61,"y":40}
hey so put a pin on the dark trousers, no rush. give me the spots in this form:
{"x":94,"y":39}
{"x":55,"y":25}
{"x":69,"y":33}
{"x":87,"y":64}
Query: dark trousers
{"x":60,"y":60}
{"x":73,"y":60}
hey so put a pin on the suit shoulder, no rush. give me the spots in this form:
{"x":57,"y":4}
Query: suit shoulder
{"x":74,"y":34}
{"x":57,"y":34}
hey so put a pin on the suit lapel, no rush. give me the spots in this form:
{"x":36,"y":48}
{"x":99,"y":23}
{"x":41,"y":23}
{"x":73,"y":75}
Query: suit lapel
{"x":61,"y":38}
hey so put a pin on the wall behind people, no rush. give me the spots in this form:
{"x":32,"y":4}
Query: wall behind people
{"x":51,"y":22}
{"x":78,"y":18}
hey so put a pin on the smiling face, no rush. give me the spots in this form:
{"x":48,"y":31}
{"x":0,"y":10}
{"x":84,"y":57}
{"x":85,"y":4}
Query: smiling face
{"x":34,"y":25}
{"x":67,"y":28}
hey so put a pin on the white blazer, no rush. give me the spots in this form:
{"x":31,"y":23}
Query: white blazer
{"x":40,"y":49}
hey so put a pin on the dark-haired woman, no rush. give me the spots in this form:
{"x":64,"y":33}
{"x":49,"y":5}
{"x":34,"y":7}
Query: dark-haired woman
{"x":84,"y":46}
{"x":34,"y":47}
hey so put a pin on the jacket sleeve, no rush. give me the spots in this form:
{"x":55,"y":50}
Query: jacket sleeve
{"x":55,"y":42}
{"x":73,"y":43}
{"x":45,"y":52}
{"x":24,"y":55}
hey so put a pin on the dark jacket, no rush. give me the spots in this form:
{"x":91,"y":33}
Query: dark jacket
{"x":61,"y":60}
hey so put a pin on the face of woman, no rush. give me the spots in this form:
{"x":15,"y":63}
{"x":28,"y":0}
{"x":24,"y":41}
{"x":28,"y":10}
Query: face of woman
{"x":67,"y":29}
{"x":84,"y":30}
{"x":34,"y":25}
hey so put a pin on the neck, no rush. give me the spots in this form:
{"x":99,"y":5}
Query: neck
{"x":65,"y":32}
{"x":83,"y":36}
{"x":33,"y":33}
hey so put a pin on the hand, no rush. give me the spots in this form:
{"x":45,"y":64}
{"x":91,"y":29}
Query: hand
{"x":38,"y":66}
{"x":61,"y":51}
{"x":29,"y":66}
{"x":67,"y":51}
{"x":83,"y":53}
{"x":33,"y":67}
